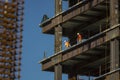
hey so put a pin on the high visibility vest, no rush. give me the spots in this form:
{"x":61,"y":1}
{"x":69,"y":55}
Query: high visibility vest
{"x":67,"y":44}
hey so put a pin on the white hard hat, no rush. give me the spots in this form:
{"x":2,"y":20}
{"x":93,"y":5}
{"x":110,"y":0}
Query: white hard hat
{"x":64,"y":40}
{"x":78,"y":33}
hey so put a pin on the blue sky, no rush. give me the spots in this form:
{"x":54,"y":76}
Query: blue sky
{"x":34,"y":41}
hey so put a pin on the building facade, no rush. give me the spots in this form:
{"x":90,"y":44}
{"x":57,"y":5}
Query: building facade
{"x":11,"y":27}
{"x":98,"y":54}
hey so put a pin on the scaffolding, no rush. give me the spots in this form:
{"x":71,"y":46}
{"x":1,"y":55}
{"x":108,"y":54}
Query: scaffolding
{"x":11,"y":27}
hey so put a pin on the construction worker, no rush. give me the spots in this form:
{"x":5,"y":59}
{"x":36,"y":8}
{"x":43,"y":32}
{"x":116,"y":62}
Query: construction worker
{"x":67,"y":44}
{"x":79,"y":38}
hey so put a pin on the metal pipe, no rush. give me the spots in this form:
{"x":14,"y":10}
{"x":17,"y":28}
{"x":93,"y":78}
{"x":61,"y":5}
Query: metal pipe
{"x":108,"y":73}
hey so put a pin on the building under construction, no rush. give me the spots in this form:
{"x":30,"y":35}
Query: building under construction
{"x":11,"y":27}
{"x":98,"y":55}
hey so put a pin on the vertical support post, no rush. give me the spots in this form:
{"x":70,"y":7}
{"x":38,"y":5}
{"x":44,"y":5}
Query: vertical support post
{"x":58,"y":72}
{"x":114,"y":44}
{"x":58,"y":47}
{"x":114,"y":12}
{"x":58,"y":40}
{"x":58,"y":6}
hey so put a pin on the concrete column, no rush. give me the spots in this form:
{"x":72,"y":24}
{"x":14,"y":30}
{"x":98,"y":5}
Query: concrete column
{"x":58,"y":40}
{"x":58,"y":47}
{"x":114,"y":44}
{"x":114,"y":12}
{"x":114,"y":55}
{"x":58,"y":6}
{"x":58,"y":72}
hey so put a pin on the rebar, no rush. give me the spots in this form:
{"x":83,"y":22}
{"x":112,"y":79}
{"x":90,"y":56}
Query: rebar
{"x":11,"y":27}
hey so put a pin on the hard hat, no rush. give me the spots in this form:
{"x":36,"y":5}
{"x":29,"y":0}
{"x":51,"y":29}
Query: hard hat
{"x":78,"y":33}
{"x":64,"y":40}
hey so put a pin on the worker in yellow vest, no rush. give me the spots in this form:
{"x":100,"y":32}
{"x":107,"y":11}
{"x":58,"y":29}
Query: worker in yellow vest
{"x":67,"y":44}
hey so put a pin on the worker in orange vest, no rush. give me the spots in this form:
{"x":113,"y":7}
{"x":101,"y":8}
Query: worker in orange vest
{"x":79,"y":38}
{"x":67,"y":44}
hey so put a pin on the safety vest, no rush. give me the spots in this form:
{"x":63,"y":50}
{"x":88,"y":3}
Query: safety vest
{"x":67,"y":44}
